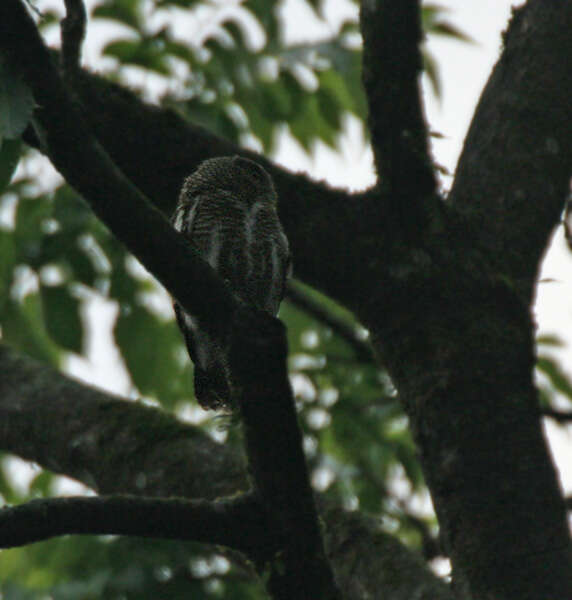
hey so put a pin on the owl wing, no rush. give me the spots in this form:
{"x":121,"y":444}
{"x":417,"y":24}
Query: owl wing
{"x":206,"y":222}
{"x":268,"y":256}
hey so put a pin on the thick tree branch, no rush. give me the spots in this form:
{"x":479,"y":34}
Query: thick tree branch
{"x":392,"y":67}
{"x":276,"y":459}
{"x":164,"y":458}
{"x":86,"y":166}
{"x":453,"y":326}
{"x":514,"y":172}
{"x":98,"y":439}
{"x":236,"y":523}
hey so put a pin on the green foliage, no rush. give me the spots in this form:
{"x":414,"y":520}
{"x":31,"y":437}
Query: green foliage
{"x":154,"y":359}
{"x":16,"y":104}
{"x":434,"y":22}
{"x":16,"y":108}
{"x":555,"y":384}
{"x":96,"y":567}
{"x":9,"y":158}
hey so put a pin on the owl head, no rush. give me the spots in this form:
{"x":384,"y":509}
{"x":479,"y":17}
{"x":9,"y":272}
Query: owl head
{"x":245,"y":179}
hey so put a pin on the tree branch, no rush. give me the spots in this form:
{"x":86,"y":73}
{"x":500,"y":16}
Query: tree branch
{"x":391,"y":69}
{"x":236,"y":523}
{"x":276,"y":459}
{"x":513,"y":175}
{"x":164,"y":458}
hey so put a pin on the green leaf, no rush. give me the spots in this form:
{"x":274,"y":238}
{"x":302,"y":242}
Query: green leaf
{"x":9,"y":159}
{"x":7,"y":489}
{"x":336,"y":86}
{"x":275,"y":101}
{"x":7,"y":264}
{"x":309,"y":125}
{"x":550,"y":340}
{"x":151,"y":348}
{"x":16,"y":103}
{"x":446,"y":29}
{"x":23,"y":327}
{"x":329,"y":108}
{"x":62,"y":317}
{"x":41,"y":485}
{"x":432,"y":70}
{"x":432,"y":22}
{"x":31,"y":215}
{"x":555,"y":374}
{"x":146,"y":53}
{"x":266,"y":13}
{"x":126,"y":12}
{"x":70,"y":210}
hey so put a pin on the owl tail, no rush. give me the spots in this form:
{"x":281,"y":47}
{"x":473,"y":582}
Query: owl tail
{"x":211,"y":388}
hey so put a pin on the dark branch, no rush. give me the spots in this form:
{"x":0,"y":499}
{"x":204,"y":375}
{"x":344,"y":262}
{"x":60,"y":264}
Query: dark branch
{"x":557,"y":415}
{"x":85,"y":165}
{"x":237,"y":523}
{"x":513,"y":176}
{"x":567,"y":221}
{"x":68,"y":427}
{"x":347,"y":331}
{"x":391,"y":70}
{"x":276,"y":459}
{"x":72,"y":34}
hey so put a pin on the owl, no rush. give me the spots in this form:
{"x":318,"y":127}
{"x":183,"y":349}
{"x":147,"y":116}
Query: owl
{"x":227,"y":209}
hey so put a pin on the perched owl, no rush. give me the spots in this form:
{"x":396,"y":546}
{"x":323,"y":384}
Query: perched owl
{"x":227,"y":209}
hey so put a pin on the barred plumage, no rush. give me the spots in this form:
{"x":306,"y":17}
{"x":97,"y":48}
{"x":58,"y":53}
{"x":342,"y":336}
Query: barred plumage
{"x":227,"y":209}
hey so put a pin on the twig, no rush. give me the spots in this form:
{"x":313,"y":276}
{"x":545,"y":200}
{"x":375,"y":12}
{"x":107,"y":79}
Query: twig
{"x":347,"y":331}
{"x":558,"y":415}
{"x":72,"y":29}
